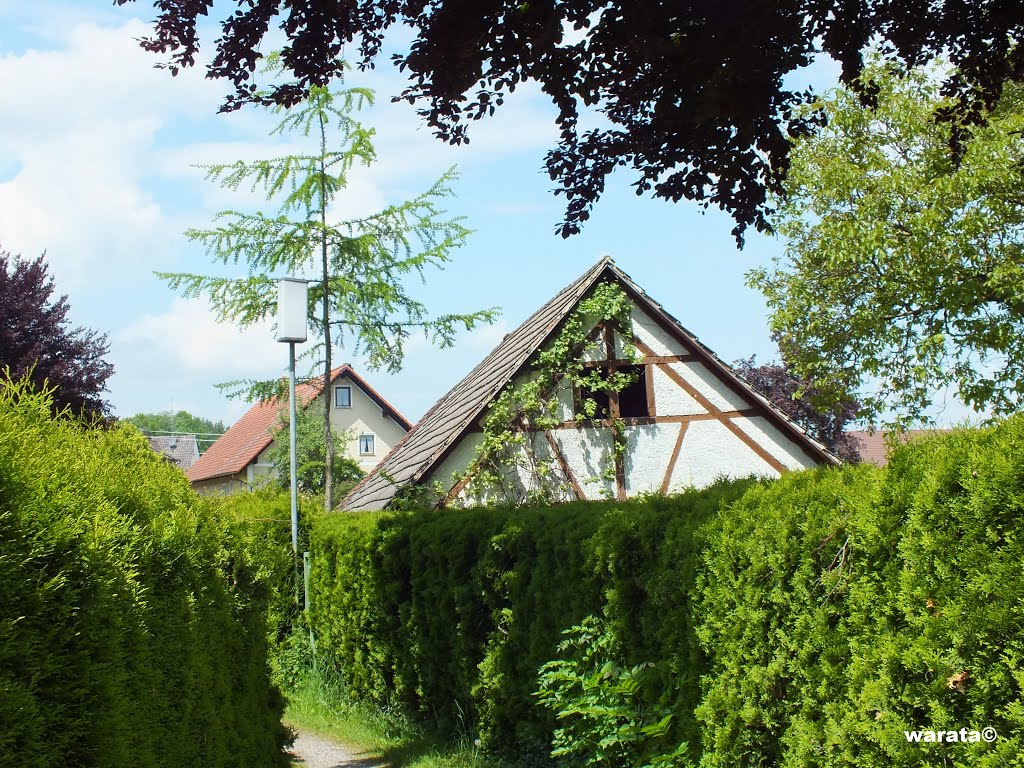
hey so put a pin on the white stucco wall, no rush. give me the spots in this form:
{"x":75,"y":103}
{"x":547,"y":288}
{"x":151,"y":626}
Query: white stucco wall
{"x":648,"y":451}
{"x":777,"y":444}
{"x":365,"y":417}
{"x":709,"y":449}
{"x":669,"y":398}
{"x":652,"y":334}
{"x":588,"y":452}
{"x":711,"y":387}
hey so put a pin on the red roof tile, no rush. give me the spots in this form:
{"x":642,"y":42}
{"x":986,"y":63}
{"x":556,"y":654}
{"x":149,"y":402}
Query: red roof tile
{"x":240,"y":445}
{"x":872,"y":447}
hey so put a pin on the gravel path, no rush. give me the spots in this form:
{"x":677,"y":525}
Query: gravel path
{"x":315,"y":751}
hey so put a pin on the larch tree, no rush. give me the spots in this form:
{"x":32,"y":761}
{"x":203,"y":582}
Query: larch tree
{"x":357,"y":266}
{"x":903,"y":272}
{"x":698,"y":100}
{"x":38,"y":341}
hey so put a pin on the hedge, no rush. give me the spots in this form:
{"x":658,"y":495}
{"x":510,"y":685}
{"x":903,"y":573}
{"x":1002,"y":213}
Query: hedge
{"x":808,"y":621}
{"x":449,"y":614}
{"x":844,"y":609}
{"x":132,"y":632}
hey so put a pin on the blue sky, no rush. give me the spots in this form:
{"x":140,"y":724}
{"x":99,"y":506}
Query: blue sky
{"x":96,"y":148}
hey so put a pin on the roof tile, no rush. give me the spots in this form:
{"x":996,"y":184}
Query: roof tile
{"x":247,"y":438}
{"x":414,"y":455}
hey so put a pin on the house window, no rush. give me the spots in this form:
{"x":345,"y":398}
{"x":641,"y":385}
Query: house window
{"x":632,"y":400}
{"x":343,"y":397}
{"x":366,"y":445}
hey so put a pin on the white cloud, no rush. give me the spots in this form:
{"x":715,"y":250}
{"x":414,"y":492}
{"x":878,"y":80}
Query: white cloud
{"x":80,"y":127}
{"x":179,"y":355}
{"x":187,"y":337}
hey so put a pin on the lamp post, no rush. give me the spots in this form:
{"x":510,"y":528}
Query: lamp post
{"x":292,"y":321}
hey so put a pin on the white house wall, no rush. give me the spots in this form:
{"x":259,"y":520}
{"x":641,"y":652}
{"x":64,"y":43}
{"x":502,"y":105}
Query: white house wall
{"x":648,"y":451}
{"x":669,"y":398}
{"x":588,"y":452}
{"x":775,"y":442}
{"x":652,"y":334}
{"x":709,"y":449}
{"x":365,"y":417}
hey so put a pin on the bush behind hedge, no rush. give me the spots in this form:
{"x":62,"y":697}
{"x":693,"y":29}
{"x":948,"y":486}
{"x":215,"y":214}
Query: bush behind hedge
{"x":132,"y":631}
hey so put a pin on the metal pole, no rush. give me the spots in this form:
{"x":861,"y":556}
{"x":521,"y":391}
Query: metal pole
{"x":291,"y":446}
{"x":291,"y":461}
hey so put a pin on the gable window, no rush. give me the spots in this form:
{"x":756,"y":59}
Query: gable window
{"x":343,"y":397}
{"x":631,"y":401}
{"x":366,"y":445}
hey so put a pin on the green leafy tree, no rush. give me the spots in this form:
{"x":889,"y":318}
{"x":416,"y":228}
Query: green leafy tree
{"x":311,"y":456}
{"x":694,"y":97}
{"x":903,"y":272}
{"x":356,"y":266}
{"x":205,"y":430}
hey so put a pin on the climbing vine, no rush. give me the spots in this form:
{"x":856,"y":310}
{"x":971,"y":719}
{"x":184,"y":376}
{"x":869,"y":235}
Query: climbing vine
{"x":516,"y":462}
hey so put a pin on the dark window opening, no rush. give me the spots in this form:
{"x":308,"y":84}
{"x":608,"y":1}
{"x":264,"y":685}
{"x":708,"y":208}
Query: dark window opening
{"x":632,"y":400}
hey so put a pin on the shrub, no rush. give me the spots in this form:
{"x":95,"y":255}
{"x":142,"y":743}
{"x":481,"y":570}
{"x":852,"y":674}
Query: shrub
{"x":843,"y":608}
{"x":606,"y":713}
{"x":131,"y":619}
{"x":809,"y":621}
{"x":449,"y":614}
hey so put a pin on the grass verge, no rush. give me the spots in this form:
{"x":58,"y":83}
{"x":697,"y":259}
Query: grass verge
{"x":320,"y":706}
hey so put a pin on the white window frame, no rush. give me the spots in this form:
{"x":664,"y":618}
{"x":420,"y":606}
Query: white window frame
{"x":373,"y":446}
{"x":337,"y":391}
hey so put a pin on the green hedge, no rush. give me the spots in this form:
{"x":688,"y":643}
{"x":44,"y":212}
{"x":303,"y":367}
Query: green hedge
{"x":449,"y":614}
{"x":842,"y":609}
{"x":132,"y":630}
{"x":808,"y":621}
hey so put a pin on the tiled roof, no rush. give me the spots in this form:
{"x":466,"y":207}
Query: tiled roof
{"x":872,"y":447}
{"x":240,"y":445}
{"x":181,"y":450}
{"x":442,"y":426}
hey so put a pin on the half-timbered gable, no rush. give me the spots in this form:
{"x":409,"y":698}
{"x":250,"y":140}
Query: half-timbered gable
{"x":685,"y":419}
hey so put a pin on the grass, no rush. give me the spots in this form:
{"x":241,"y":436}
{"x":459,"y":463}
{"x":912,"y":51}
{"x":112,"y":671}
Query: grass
{"x":319,"y":706}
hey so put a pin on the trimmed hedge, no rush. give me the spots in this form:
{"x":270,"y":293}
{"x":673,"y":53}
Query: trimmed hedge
{"x":842,"y":609}
{"x":132,"y":632}
{"x":449,"y":614}
{"x":808,"y":621}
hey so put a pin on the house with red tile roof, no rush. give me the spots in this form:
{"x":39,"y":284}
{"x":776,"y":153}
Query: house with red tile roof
{"x":238,"y":460}
{"x":873,"y":448}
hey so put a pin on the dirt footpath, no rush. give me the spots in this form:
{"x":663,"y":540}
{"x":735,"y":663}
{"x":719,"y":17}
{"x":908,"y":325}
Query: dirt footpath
{"x":312,"y":751}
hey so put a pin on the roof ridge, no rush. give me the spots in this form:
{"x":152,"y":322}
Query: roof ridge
{"x":248,"y":437}
{"x":502,"y":362}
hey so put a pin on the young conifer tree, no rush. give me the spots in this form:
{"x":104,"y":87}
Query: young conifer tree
{"x":356,"y":266}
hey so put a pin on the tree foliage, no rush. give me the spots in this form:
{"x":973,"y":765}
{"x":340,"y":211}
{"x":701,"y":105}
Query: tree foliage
{"x":903,"y":272}
{"x":798,"y":399}
{"x":311,"y":456}
{"x":694,"y":96}
{"x":37,"y":340}
{"x":356,"y":266}
{"x":180,"y":422}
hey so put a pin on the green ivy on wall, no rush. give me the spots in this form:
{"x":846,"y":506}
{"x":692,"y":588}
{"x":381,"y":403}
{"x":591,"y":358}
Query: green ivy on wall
{"x":514,"y":463}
